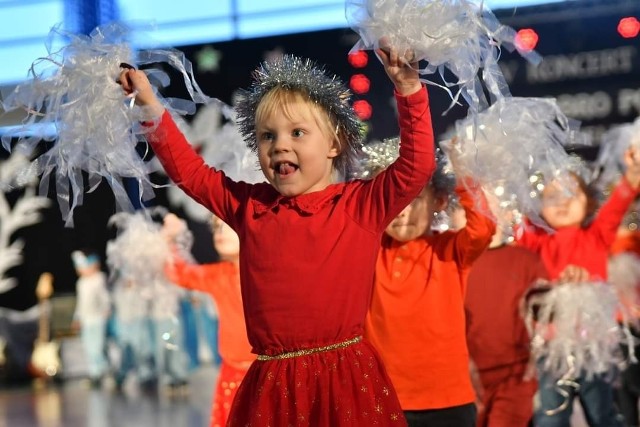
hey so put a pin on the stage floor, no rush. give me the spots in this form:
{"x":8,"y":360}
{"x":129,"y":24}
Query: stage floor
{"x":75,"y":404}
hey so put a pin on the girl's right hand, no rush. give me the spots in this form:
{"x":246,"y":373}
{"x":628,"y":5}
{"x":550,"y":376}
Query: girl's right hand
{"x":401,"y":69}
{"x":135,"y":83}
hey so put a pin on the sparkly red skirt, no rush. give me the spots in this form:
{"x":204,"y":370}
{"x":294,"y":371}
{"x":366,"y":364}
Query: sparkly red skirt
{"x":338,"y":388}
{"x":229,"y":379}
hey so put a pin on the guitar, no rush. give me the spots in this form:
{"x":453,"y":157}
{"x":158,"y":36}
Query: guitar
{"x":3,"y":359}
{"x":45,"y":359}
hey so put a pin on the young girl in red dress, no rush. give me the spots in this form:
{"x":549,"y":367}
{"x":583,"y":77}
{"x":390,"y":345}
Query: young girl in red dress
{"x":308,"y":242}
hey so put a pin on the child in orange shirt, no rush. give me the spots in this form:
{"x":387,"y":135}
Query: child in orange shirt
{"x":222,"y":281}
{"x":416,"y":319}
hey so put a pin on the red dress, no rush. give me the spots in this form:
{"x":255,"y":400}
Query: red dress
{"x":306,"y":266}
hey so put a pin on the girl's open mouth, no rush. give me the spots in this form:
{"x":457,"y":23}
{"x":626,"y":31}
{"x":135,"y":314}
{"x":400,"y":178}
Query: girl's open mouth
{"x":285,"y":168}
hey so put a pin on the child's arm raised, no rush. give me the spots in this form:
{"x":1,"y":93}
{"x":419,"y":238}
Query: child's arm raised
{"x":393,"y":189}
{"x":612,"y":212}
{"x":476,"y":235}
{"x":184,"y":166}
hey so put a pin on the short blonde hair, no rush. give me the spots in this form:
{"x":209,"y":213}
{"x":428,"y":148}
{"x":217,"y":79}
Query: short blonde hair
{"x":325,"y":91}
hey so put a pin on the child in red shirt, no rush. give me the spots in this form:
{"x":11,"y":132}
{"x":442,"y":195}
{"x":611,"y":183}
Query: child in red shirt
{"x":585,"y":246}
{"x":416,"y":319}
{"x":308,"y":243}
{"x":222,"y":281}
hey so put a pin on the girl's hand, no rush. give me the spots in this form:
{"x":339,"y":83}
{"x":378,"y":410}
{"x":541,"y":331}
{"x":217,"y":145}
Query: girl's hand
{"x":402,"y":70}
{"x":135,"y":83}
{"x":632,"y":162}
{"x":574,"y":274}
{"x":172,"y":226}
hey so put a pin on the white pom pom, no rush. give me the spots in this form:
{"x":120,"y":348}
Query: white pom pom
{"x":140,"y":251}
{"x":461,"y":35}
{"x":513,"y":149}
{"x":577,"y":332}
{"x":96,"y":125}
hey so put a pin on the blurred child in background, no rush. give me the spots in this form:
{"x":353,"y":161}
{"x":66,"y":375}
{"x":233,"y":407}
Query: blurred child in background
{"x":93,"y":306}
{"x":222,"y":281}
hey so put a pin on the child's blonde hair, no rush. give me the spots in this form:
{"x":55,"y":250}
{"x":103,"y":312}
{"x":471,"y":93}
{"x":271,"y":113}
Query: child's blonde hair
{"x":277,"y":85}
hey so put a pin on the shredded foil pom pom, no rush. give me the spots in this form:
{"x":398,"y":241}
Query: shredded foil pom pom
{"x":624,"y":275}
{"x":74,"y":99}
{"x":577,"y":333}
{"x":376,"y":156}
{"x":462,"y":36}
{"x":513,"y":150}
{"x":304,"y":76}
{"x":140,"y":251}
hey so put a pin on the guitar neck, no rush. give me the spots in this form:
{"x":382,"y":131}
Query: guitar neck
{"x":43,"y":321}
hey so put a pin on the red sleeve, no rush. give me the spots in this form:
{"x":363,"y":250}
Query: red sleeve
{"x":475,"y":237}
{"x":390,"y":191}
{"x":187,"y":169}
{"x":192,"y":276}
{"x":530,"y":236}
{"x":611,"y":214}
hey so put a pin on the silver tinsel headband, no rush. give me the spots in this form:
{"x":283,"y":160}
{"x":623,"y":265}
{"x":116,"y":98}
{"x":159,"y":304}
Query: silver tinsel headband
{"x":378,"y":155}
{"x":304,"y":76}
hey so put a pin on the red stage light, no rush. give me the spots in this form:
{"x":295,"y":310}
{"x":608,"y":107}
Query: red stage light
{"x":526,"y":39}
{"x":359,"y":83}
{"x":358,"y":59}
{"x":629,"y":27}
{"x":363,"y":109}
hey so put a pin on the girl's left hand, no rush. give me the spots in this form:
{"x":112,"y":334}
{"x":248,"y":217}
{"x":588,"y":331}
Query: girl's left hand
{"x":402,"y":70}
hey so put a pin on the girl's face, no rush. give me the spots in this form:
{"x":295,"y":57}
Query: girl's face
{"x":225,"y":240}
{"x":562,"y":207}
{"x":295,"y":153}
{"x":415,"y":220}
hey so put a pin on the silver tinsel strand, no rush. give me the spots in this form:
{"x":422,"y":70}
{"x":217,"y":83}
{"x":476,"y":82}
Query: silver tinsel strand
{"x":378,"y":155}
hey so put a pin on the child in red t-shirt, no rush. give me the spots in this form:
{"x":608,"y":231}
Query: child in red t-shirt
{"x":308,"y":242}
{"x":222,"y":281}
{"x":416,"y":319}
{"x":583,"y":245}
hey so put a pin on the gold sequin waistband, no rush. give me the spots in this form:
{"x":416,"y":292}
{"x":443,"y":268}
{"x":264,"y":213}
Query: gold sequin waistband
{"x":307,"y":351}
